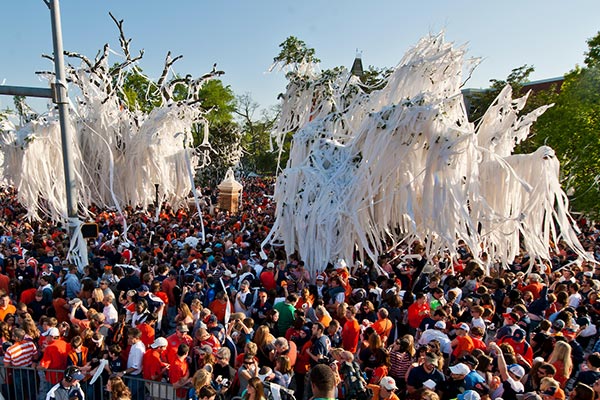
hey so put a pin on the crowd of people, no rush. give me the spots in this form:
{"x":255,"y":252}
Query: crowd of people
{"x":162,"y":312}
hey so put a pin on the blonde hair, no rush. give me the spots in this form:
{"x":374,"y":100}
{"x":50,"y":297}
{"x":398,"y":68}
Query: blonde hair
{"x":185,"y":310}
{"x":427,"y":394}
{"x":562,"y":352}
{"x":263,"y":336}
{"x":251,"y":348}
{"x":411,"y":348}
{"x":196,"y":303}
{"x":201,"y":378}
{"x":548,"y":382}
{"x":98,"y":295}
{"x":118,"y":388}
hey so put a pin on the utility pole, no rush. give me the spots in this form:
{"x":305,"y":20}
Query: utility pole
{"x":58,"y":94}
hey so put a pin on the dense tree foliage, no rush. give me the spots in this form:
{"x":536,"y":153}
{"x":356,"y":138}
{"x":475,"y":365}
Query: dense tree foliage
{"x":258,"y":155}
{"x":294,"y":51}
{"x":571,"y":127}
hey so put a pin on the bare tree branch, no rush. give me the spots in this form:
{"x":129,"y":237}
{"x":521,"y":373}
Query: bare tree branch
{"x":83,"y":58}
{"x":164,"y":89}
{"x":122,"y":39}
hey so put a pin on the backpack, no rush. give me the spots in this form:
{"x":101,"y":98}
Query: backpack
{"x":274,"y":391}
{"x":354,"y":384}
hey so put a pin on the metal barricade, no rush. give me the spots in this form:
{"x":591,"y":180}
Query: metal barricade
{"x":142,"y":389}
{"x":24,"y":383}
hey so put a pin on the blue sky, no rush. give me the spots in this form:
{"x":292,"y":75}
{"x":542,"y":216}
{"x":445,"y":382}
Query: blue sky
{"x":242,"y":36}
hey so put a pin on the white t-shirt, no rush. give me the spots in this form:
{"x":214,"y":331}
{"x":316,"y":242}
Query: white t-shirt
{"x":479,"y":321}
{"x":136,"y":355}
{"x":574,"y":300}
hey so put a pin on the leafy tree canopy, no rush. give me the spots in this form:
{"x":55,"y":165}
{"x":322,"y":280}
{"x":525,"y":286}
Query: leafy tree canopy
{"x":295,"y":51}
{"x":572,"y":129}
{"x":592,"y":56}
{"x":219,"y":100}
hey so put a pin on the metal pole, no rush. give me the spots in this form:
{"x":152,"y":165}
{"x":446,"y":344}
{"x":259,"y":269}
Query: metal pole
{"x":62,"y":101}
{"x":26,"y":91}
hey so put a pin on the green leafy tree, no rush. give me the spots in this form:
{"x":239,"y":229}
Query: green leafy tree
{"x":23,"y":110}
{"x":258,"y":156}
{"x":219,"y":100}
{"x":572,"y":129}
{"x":480,"y":101}
{"x":224,"y":132}
{"x":592,"y":56}
{"x":294,"y":51}
{"x":374,"y":78}
{"x":4,"y":114}
{"x":225,"y":140}
{"x":140,"y":92}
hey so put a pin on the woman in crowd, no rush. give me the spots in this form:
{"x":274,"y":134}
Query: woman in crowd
{"x":255,"y":390}
{"x":185,"y":316}
{"x":264,"y":340}
{"x":401,"y":356}
{"x":561,"y":359}
{"x":117,"y":389}
{"x":282,"y":365}
{"x":366,"y":312}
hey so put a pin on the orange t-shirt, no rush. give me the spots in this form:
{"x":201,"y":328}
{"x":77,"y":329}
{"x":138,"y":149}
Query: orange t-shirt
{"x":465,"y":344}
{"x":152,"y":365}
{"x":383,"y":327}
{"x":218,"y":308}
{"x":350,"y":335}
{"x":10,"y":309}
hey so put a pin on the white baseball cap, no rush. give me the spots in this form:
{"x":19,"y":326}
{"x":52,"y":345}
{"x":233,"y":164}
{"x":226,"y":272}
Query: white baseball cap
{"x":388,"y":383}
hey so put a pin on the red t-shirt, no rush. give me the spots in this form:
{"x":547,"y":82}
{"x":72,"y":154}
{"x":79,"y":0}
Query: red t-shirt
{"x":218,"y":308}
{"x":178,"y":369}
{"x":163,"y":296}
{"x":267,"y":278}
{"x":62,"y":314}
{"x":167,"y":286}
{"x":55,"y":357}
{"x":350,"y":335}
{"x":28,"y":295}
{"x":303,"y":361}
{"x":148,"y":334}
{"x":152,"y":365}
{"x":173,"y":343}
{"x":414,"y":319}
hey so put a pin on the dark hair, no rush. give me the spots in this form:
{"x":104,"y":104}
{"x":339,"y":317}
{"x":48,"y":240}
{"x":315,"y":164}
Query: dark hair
{"x":134,"y":333}
{"x":258,"y":386}
{"x":206,"y":391}
{"x":183,"y":349}
{"x":583,"y":392}
{"x":594,"y":360}
{"x":322,"y":377}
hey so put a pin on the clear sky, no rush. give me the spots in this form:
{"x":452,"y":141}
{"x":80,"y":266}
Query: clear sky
{"x":242,"y":36}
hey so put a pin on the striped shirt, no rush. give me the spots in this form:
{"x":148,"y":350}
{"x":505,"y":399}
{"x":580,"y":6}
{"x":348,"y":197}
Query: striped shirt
{"x":20,"y":354}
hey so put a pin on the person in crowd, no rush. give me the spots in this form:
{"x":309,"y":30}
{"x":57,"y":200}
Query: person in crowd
{"x":322,"y":381}
{"x":535,"y":308}
{"x":428,"y":372}
{"x":561,"y":359}
{"x":117,"y":389}
{"x":68,"y":387}
{"x":510,"y":376}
